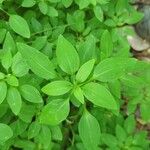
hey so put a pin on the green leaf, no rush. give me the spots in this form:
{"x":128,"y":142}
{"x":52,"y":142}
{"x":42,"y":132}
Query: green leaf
{"x":19,"y":25}
{"x":78,"y":93}
{"x":67,"y":3}
{"x":19,"y":66}
{"x":5,"y":132}
{"x":120,"y":133}
{"x":2,"y":34}
{"x":121,"y":6}
{"x":130,"y":124}
{"x":132,"y":81}
{"x":43,"y":7}
{"x":52,"y":12}
{"x":106,"y":44}
{"x":56,"y":133}
{"x":14,"y":100}
{"x":9,"y":44}
{"x":82,"y":3}
{"x":76,"y":21}
{"x":99,"y":95}
{"x":109,"y":140}
{"x":87,"y":49}
{"x":34,"y":129}
{"x":89,"y":131}
{"x":44,"y":137}
{"x":28,"y":3}
{"x":39,"y":42}
{"x":98,"y":13}
{"x":57,"y":88}
{"x":111,"y":68}
{"x":67,"y":56}
{"x":2,"y":75}
{"x":12,"y":80}
{"x":3,"y":89}
{"x":55,"y":112}
{"x":27,"y":112}
{"x":7,"y":59}
{"x":144,"y":109}
{"x":38,"y":62}
{"x":85,"y":70}
{"x":30,"y":93}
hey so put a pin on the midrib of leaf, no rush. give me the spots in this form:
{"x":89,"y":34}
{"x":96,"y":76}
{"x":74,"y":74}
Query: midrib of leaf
{"x":100,"y":74}
{"x":41,"y":66}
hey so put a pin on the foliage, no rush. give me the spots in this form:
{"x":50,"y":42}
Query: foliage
{"x":66,"y":74}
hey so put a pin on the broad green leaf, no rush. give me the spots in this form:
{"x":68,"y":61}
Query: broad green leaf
{"x":93,"y":2}
{"x":85,"y":70}
{"x":7,"y":59}
{"x":52,"y":12}
{"x":109,"y":140}
{"x":57,"y":88}
{"x":38,"y":62}
{"x":76,"y":21}
{"x":144,"y":110}
{"x":34,"y":129}
{"x":56,"y":133}
{"x":98,"y":13}
{"x":43,"y":7}
{"x":106,"y":44}
{"x":2,"y":75}
{"x":67,"y":3}
{"x":27,"y":112}
{"x":121,"y":6}
{"x":39,"y":42}
{"x":78,"y":93}
{"x":89,"y":131}
{"x":87,"y":49}
{"x":3,"y":91}
{"x":132,"y":81}
{"x":67,"y":56}
{"x":12,"y":80}
{"x":55,"y":112}
{"x":30,"y":93}
{"x":44,"y":137}
{"x":28,"y":3}
{"x":19,"y":25}
{"x":111,"y":68}
{"x":130,"y":124}
{"x":19,"y":66}
{"x":9,"y":44}
{"x":120,"y":133}
{"x":82,"y":3}
{"x":14,"y":100}
{"x":99,"y":95}
{"x":5,"y":133}
{"x":134,"y":17}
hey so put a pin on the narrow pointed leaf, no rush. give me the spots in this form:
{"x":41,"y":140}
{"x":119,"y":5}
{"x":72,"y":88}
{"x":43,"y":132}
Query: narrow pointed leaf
{"x":85,"y":70}
{"x":3,"y":91}
{"x":78,"y":93}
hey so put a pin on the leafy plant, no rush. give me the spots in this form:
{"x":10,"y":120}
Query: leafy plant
{"x":66,"y":73}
